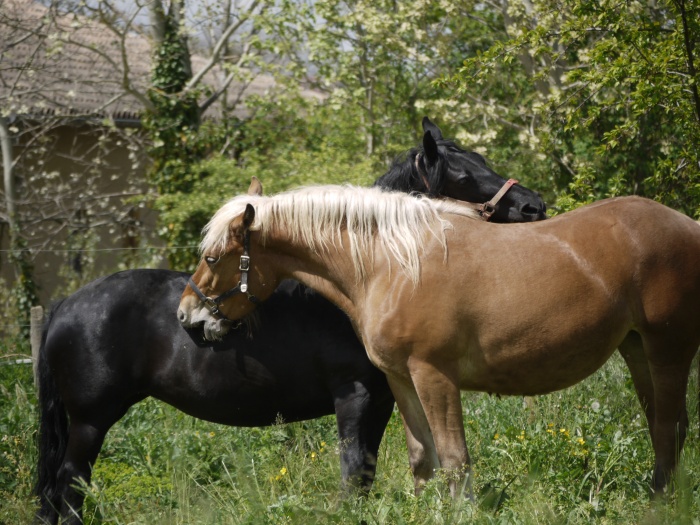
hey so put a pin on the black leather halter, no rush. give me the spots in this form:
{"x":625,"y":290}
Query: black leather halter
{"x":212,"y":303}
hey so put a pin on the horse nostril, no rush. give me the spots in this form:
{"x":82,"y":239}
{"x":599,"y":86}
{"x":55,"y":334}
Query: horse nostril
{"x":181,"y":316}
{"x":529,"y":209}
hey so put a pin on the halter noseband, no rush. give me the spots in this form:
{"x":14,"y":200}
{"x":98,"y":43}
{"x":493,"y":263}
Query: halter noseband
{"x":488,"y":208}
{"x":212,"y":304}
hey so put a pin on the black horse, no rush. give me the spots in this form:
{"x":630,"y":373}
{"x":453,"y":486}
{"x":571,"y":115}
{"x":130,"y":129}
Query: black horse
{"x":117,"y":341}
{"x":441,"y":168}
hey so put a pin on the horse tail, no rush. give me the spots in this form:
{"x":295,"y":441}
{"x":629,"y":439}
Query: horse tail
{"x":53,"y":434}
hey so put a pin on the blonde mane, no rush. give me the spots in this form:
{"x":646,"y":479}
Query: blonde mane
{"x":315,"y":216}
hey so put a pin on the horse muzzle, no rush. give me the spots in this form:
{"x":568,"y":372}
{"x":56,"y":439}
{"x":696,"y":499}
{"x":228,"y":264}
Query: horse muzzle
{"x":195,"y":317}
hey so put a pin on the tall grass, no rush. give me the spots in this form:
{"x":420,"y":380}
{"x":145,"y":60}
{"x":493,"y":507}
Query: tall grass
{"x":578,"y":456}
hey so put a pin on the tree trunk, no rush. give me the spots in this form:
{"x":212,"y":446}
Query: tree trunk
{"x":7,"y":160}
{"x":25,"y":288}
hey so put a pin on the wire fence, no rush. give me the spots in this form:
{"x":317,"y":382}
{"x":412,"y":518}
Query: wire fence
{"x":124,"y":248}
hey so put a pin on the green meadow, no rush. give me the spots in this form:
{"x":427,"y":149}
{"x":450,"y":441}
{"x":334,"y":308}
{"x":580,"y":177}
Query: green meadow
{"x":578,"y":456}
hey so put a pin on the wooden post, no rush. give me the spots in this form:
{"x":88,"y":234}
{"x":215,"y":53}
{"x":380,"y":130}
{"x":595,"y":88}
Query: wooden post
{"x":36,"y":325}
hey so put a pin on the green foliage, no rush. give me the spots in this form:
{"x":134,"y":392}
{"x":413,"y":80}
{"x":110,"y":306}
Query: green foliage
{"x":18,"y":453}
{"x":579,"y":456}
{"x":177,"y":141}
{"x":374,"y":59}
{"x":283,"y":150}
{"x":605,"y":90}
{"x":25,"y":289}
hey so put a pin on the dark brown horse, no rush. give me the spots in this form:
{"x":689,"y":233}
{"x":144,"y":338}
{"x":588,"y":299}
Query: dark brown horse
{"x":444,"y":303}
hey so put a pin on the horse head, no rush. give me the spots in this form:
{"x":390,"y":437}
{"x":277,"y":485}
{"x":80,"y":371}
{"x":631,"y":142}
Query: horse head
{"x":211,"y":298}
{"x":440,"y":168}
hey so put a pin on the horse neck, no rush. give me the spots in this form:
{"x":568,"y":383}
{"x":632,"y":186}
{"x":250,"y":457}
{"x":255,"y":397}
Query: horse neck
{"x":330,"y":273}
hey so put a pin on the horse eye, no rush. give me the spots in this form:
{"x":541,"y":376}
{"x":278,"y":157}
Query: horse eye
{"x":211,"y":260}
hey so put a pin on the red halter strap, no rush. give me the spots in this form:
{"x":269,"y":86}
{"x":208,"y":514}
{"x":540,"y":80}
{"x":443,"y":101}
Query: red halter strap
{"x":487,"y":209}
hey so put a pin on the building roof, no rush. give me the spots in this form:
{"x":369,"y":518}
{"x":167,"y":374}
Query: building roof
{"x":67,"y":64}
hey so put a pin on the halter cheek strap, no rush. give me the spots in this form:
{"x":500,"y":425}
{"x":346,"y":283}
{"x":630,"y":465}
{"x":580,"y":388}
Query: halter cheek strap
{"x":488,"y":208}
{"x":212,"y":303}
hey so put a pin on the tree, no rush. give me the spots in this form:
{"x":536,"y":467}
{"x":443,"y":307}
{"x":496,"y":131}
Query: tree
{"x":581,"y":85}
{"x":42,"y":95}
{"x":376,"y":59}
{"x":200,"y":67}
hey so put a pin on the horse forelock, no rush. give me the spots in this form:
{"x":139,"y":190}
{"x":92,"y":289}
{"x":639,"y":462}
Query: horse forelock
{"x":217,"y":231}
{"x":316,"y":216}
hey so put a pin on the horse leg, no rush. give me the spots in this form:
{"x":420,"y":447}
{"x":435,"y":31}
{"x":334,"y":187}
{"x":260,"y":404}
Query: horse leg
{"x":440,"y":397}
{"x":378,"y":414}
{"x":84,"y":443}
{"x":632,"y":351}
{"x":361,"y":420}
{"x":669,"y":372}
{"x":422,"y":456}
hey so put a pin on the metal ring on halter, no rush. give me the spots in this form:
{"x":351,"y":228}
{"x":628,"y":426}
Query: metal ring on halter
{"x":489,"y":208}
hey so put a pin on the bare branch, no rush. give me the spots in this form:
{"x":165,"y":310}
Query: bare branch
{"x":226,"y":84}
{"x":216,"y":52}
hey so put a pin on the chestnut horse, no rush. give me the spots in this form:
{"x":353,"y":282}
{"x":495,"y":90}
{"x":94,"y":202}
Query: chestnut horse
{"x":444,"y":303}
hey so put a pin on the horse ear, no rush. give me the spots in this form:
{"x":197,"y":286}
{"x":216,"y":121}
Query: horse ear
{"x":255,"y":187}
{"x":434,"y":130}
{"x":248,"y":216}
{"x":430,"y":148}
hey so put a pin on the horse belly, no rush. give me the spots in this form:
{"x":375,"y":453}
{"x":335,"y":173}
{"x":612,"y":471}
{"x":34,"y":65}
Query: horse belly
{"x":235,"y":388}
{"x":541,"y":359}
{"x":547,"y":330}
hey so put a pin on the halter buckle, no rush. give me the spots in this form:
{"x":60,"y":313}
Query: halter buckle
{"x":487,"y":210}
{"x":244,"y":265}
{"x":210,"y":304}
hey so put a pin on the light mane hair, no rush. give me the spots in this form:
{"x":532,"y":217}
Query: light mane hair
{"x":315,"y":216}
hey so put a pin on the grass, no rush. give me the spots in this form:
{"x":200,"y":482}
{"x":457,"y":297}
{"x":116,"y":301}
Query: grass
{"x":578,"y":456}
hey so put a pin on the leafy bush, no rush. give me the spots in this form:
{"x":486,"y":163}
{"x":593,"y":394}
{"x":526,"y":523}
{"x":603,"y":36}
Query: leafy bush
{"x":17,"y":442}
{"x":283,"y":150}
